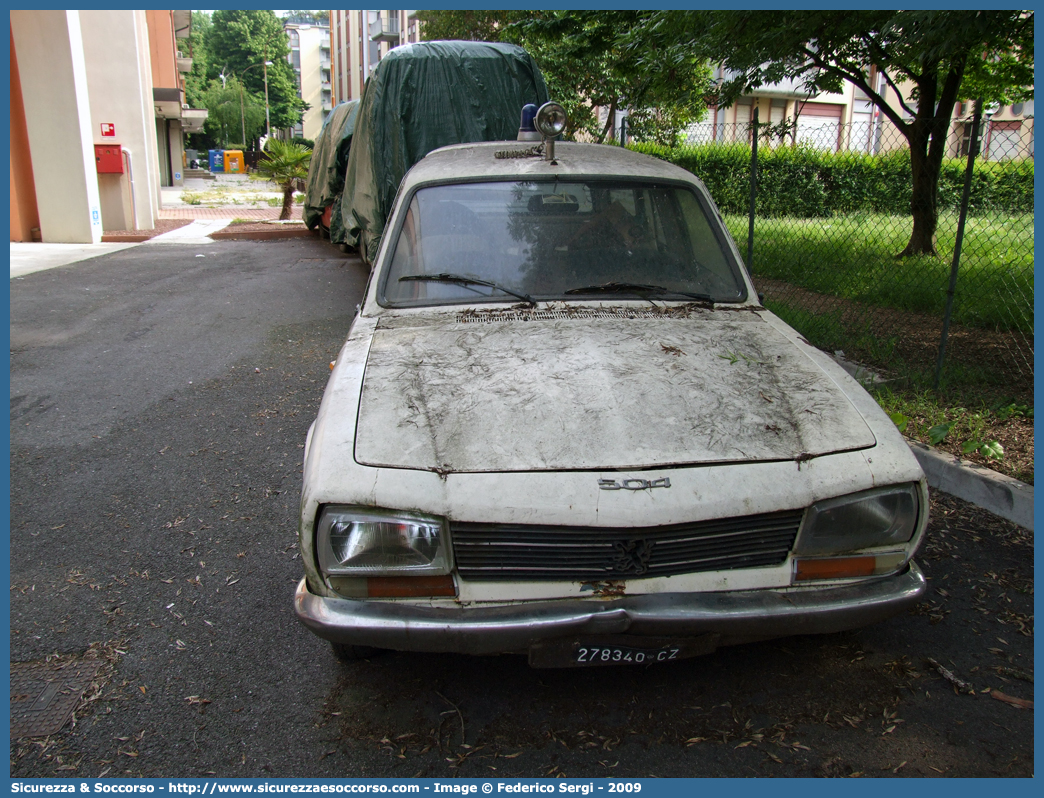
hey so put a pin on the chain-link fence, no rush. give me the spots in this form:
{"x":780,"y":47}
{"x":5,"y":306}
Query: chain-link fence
{"x":845,"y":254}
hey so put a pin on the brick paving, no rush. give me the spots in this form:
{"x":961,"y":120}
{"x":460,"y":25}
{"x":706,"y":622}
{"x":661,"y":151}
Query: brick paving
{"x":226,"y":212}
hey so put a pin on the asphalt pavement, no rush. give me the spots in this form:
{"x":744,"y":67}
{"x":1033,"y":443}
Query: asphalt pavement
{"x":160,"y":398}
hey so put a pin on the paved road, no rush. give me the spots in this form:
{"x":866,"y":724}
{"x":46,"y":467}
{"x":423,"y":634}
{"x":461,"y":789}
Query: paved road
{"x":159,"y":402}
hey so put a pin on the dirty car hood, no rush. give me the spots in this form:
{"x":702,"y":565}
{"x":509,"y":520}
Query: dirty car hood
{"x":617,"y":389}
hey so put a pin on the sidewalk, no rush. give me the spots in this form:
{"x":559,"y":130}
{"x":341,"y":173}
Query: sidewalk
{"x":225,"y":212}
{"x":36,"y":257}
{"x":240,"y":198}
{"x":228,"y":197}
{"x":196,"y":233}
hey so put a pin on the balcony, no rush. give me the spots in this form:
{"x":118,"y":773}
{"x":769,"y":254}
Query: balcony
{"x":384,"y":30}
{"x":788,"y":88}
{"x":192,"y":119}
{"x":182,"y":24}
{"x":184,"y":64}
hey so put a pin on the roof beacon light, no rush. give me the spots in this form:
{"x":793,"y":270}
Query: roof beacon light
{"x":550,"y":121}
{"x":526,"y":130}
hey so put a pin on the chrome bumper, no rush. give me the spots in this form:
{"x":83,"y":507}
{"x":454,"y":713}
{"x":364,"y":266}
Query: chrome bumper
{"x":736,"y":616}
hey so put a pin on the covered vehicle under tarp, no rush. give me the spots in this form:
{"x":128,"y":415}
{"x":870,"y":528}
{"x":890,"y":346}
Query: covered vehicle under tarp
{"x":329,"y":162}
{"x":419,"y":98}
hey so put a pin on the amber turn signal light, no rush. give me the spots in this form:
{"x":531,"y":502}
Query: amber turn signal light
{"x":409,"y":586}
{"x":834,"y":567}
{"x":360,"y":587}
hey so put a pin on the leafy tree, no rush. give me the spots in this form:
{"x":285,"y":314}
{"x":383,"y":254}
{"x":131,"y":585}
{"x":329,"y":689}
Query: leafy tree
{"x":584,"y":64}
{"x":239,"y":43}
{"x":935,"y":57}
{"x":475,"y":26}
{"x":231,"y":111}
{"x":196,"y":81}
{"x":285,"y":163}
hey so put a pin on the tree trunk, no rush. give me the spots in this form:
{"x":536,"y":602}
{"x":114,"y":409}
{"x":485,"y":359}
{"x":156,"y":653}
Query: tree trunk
{"x":608,"y":122}
{"x":927,"y":138}
{"x":923,"y":201}
{"x":288,"y":201}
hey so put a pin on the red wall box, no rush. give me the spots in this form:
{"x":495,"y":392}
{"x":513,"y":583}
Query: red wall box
{"x":109,"y":158}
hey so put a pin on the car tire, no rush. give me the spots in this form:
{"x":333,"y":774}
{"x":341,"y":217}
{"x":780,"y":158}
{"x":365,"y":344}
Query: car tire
{"x":345,"y":652}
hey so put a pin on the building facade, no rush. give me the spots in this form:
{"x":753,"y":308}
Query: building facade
{"x":359,"y":40}
{"x":310,"y":58}
{"x":98,"y":115}
{"x":849,"y":121}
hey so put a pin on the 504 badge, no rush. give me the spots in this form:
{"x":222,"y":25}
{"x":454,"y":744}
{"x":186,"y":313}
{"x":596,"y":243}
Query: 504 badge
{"x":634,"y":484}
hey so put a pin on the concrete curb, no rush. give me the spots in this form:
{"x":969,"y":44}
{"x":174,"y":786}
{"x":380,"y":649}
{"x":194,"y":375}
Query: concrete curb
{"x":263,"y":235}
{"x":1001,"y":495}
{"x":129,"y":238}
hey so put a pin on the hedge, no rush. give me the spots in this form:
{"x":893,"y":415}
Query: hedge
{"x":807,"y":183}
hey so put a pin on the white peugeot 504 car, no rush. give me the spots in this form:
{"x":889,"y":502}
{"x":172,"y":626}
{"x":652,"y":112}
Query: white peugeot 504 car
{"x":564,"y":425}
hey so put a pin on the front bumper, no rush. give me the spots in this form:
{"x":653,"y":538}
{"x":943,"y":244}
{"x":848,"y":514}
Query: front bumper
{"x":738,"y":616}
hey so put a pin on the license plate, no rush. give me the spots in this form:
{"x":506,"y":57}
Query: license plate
{"x":617,"y":650}
{"x":617,"y":655}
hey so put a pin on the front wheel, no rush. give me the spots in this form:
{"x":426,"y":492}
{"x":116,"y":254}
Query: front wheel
{"x":345,"y":652}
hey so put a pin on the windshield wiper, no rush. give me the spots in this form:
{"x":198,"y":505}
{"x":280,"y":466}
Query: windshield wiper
{"x":622,"y":288}
{"x":464,"y":280}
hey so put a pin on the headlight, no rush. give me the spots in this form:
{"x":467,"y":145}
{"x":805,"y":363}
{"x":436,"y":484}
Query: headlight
{"x":356,"y":542}
{"x":881,"y":517}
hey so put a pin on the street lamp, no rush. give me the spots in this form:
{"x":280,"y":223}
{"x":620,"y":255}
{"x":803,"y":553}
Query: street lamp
{"x":242,"y":112}
{"x":268,"y":119}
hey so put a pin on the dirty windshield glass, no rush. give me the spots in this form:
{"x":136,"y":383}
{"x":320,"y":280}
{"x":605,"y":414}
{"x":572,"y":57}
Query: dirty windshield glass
{"x":558,"y":240}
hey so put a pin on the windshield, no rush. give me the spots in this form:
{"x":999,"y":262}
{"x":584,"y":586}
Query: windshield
{"x":556,"y":241}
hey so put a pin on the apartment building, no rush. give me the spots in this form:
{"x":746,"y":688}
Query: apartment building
{"x":845,"y":120}
{"x":98,"y":116}
{"x":359,"y":40}
{"x":849,"y":121}
{"x":310,"y":58}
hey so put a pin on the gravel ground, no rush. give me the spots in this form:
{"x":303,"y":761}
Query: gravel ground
{"x":157,"y":422}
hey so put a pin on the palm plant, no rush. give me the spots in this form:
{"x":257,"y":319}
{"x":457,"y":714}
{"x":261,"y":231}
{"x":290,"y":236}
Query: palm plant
{"x":284,"y":164}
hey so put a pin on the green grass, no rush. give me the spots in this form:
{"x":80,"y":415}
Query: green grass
{"x":854,"y":257}
{"x":829,"y":332}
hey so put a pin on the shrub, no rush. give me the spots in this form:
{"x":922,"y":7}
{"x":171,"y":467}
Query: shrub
{"x":805,"y":182}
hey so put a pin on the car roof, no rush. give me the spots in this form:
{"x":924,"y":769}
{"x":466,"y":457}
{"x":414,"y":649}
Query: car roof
{"x":465,"y":162}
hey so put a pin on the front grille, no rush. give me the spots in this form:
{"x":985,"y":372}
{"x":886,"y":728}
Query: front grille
{"x":500,"y":551}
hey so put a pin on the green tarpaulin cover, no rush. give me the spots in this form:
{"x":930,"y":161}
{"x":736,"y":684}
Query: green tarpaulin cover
{"x":422,"y":97}
{"x":329,"y":161}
